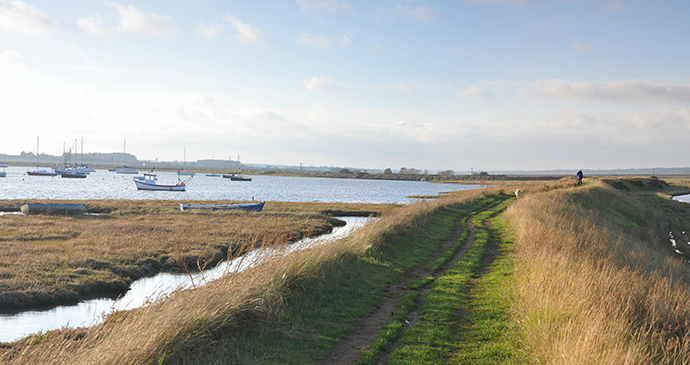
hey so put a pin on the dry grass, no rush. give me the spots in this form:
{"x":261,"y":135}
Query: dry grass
{"x":47,"y":260}
{"x":191,"y":318}
{"x":593,"y":290}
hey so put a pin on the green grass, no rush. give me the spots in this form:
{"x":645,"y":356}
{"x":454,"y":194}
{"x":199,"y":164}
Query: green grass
{"x":316,"y":318}
{"x":489,"y":337}
{"x":461,"y":321}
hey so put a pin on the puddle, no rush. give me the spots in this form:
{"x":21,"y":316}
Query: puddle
{"x":143,"y":291}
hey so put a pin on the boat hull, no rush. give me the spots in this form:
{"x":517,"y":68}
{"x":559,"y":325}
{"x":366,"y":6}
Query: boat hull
{"x":41,"y":173}
{"x":74,"y":175}
{"x":255,"y":207}
{"x":67,"y":209}
{"x":143,"y":185}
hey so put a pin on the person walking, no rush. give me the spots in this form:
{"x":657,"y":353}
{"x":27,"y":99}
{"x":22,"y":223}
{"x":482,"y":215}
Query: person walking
{"x":580,"y":176}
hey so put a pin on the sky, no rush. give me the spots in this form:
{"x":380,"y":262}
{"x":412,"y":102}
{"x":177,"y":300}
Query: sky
{"x":465,"y":85}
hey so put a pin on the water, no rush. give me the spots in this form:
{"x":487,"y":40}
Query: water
{"x":146,"y":290}
{"x":682,"y":198}
{"x":104,"y":184}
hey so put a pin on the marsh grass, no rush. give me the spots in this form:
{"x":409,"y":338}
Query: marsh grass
{"x":593,"y":283}
{"x":48,"y":260}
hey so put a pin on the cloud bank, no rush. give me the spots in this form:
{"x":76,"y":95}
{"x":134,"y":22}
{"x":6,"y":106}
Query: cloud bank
{"x":21,"y":17}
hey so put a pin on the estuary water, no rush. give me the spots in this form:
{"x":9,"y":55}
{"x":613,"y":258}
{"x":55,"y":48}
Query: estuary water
{"x":104,"y":184}
{"x":143,"y":291}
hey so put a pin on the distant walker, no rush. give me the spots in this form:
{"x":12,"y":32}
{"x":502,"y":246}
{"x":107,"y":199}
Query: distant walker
{"x":580,"y":176}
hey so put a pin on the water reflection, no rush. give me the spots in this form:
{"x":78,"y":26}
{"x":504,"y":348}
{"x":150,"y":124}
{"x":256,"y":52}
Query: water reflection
{"x":143,"y":291}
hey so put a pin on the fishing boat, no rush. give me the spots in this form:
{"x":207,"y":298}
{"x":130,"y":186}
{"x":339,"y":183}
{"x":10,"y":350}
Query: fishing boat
{"x":150,"y":182}
{"x":38,"y":172}
{"x":256,"y":207}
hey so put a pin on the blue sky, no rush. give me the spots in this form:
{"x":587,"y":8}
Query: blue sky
{"x":482,"y":84}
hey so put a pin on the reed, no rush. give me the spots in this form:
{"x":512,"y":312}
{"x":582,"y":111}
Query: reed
{"x":593,"y":284}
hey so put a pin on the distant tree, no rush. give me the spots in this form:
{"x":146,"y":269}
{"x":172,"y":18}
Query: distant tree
{"x":446,"y":173}
{"x":344,"y":171}
{"x":408,"y":171}
{"x":387,"y":171}
{"x":483,"y":173}
{"x":426,"y":172}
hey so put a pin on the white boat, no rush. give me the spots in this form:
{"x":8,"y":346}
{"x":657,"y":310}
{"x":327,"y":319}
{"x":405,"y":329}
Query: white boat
{"x":150,"y":183}
{"x":38,"y":172}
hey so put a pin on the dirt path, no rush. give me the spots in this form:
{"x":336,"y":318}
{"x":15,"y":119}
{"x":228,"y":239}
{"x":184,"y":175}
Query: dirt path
{"x":366,"y":332}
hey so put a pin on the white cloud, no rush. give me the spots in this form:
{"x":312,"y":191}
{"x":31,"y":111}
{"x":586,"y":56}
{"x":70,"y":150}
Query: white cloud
{"x":212,"y":30}
{"x":346,"y":40}
{"x":21,"y":17}
{"x":321,"y":84}
{"x":132,"y":21}
{"x":406,"y":88}
{"x":420,"y":13}
{"x":580,"y":47}
{"x":474,"y":92}
{"x":196,"y":97}
{"x":626,"y":90}
{"x":316,"y":41}
{"x":245,"y":32}
{"x":317,"y":6}
{"x":11,"y":60}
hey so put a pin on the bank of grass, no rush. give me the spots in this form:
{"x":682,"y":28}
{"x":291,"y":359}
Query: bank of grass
{"x":595,"y":281}
{"x":49,"y":260}
{"x":192,"y":324}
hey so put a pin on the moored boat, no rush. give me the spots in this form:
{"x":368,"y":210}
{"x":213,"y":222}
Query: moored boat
{"x":3,"y":173}
{"x":150,"y":182}
{"x":74,"y":174}
{"x":234,"y":177}
{"x":256,"y":207}
{"x":38,"y":172}
{"x":127,"y":170}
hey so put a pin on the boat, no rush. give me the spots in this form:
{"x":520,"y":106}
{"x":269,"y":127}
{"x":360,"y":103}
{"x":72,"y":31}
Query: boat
{"x":3,"y":173}
{"x":127,"y":170}
{"x":150,"y":183}
{"x":234,"y":177}
{"x":74,"y":174}
{"x":256,"y":207}
{"x":70,"y":209}
{"x":38,"y":172}
{"x":184,"y":162}
{"x":213,"y":175}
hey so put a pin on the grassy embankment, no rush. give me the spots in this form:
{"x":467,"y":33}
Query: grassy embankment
{"x":193,"y":323}
{"x":48,"y":260}
{"x":596,"y":279}
{"x":592,"y":278}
